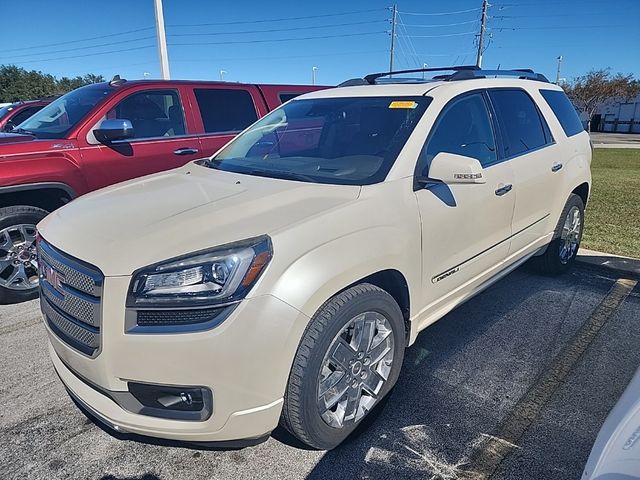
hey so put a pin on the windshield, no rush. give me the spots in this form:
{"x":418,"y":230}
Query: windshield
{"x":59,"y":117}
{"x":348,"y":141}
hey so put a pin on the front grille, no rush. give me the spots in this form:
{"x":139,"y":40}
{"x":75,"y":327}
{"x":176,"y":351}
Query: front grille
{"x":150,"y":318}
{"x":70,"y":295}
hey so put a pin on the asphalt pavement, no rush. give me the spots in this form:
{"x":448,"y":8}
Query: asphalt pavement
{"x":514,"y":384}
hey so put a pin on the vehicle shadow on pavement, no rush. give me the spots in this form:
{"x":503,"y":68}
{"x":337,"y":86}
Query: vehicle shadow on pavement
{"x":438,"y":408}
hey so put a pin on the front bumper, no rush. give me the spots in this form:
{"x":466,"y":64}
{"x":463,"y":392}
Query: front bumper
{"x":245,"y":362}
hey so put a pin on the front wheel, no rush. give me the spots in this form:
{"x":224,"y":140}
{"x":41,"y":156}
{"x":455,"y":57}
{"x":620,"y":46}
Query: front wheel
{"x":348,"y":360}
{"x":18,"y":258}
{"x":563,"y":249}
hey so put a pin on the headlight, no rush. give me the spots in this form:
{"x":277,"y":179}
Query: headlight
{"x":221,"y":275}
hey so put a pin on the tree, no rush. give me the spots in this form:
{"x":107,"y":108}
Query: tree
{"x":591,"y":91}
{"x":19,"y":84}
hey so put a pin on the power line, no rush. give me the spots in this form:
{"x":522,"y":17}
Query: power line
{"x":554,"y":28}
{"x":443,"y":24}
{"x":278,"y":39}
{"x":85,"y":55}
{"x":460,"y":34}
{"x":78,"y":40}
{"x":276,"y":19}
{"x":82,"y":48}
{"x":314,"y":55}
{"x":442,"y":13}
{"x":275,"y":29}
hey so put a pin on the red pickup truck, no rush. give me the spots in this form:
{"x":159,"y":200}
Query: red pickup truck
{"x":106,"y":133}
{"x":15,"y":113}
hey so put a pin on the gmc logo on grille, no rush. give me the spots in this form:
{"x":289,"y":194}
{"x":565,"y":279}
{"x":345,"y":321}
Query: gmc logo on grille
{"x":53,"y":277}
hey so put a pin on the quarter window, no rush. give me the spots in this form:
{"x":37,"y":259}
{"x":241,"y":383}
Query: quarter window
{"x":464,"y":128}
{"x":225,"y":110}
{"x":520,"y":122}
{"x":154,"y":113}
{"x":564,"y":111}
{"x":285,"y":97}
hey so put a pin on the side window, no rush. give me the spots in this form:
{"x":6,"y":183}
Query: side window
{"x":463,"y":128}
{"x":153,"y":113}
{"x":285,"y":97}
{"x":225,"y":110}
{"x":520,"y":122}
{"x":24,"y":114}
{"x":564,"y":111}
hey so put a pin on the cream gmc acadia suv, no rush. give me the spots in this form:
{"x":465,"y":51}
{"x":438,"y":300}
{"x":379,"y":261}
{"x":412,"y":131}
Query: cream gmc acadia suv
{"x":281,"y":280}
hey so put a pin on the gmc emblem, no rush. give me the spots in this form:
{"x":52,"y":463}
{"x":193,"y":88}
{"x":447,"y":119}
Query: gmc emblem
{"x":53,"y":277}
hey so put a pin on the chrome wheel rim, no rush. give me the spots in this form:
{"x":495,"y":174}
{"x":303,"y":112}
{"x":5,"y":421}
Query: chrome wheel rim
{"x":355,"y":369}
{"x":570,"y":236}
{"x":18,"y":257}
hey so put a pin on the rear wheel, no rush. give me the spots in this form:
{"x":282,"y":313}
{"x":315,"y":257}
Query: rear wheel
{"x":347,"y":362}
{"x":563,"y":249}
{"x":18,"y":258}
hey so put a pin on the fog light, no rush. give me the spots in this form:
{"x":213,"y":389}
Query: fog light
{"x":187,"y":403}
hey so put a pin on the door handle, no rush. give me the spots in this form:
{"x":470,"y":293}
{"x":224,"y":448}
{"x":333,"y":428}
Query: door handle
{"x":185,"y":151}
{"x":556,"y":166}
{"x":504,"y":189}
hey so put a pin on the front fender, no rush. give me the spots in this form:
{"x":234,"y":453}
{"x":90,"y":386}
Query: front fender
{"x":318,"y":274}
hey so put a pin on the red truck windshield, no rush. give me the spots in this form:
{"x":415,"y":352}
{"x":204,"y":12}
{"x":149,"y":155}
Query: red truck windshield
{"x":58,"y":118}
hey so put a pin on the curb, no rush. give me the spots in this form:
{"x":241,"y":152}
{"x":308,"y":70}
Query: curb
{"x":622,"y":265}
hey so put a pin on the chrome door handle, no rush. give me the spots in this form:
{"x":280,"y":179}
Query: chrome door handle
{"x":556,"y":166}
{"x":185,"y":151}
{"x":504,"y":189}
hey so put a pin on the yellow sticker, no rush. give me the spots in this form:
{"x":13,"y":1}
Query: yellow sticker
{"x":403,"y":104}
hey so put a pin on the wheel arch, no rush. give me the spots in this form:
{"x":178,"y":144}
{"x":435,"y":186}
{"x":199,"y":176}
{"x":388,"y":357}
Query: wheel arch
{"x":45,"y":195}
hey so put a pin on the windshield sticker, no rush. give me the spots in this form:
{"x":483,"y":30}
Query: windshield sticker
{"x":403,"y":104}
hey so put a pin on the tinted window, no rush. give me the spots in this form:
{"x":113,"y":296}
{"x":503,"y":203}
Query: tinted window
{"x":519,"y":120}
{"x":285,"y":97}
{"x":464,"y":128}
{"x":153,"y":113}
{"x":225,"y":110}
{"x":564,"y":111}
{"x":349,"y":141}
{"x":24,"y":114}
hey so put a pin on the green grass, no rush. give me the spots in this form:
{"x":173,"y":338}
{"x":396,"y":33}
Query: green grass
{"x":612,"y":221}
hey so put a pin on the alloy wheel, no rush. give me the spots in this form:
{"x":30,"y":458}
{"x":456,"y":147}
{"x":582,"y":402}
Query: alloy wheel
{"x":18,"y":257}
{"x":570,"y":235}
{"x":355,"y":369}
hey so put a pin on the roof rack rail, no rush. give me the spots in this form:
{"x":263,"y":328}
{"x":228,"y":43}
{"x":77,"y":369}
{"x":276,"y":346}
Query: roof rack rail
{"x":460,"y":72}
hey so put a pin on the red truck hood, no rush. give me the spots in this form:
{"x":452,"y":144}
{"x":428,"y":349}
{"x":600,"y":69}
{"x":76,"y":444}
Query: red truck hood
{"x":15,"y":138}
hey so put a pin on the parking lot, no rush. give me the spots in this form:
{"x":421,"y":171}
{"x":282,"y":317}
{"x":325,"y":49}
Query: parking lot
{"x":514,"y":384}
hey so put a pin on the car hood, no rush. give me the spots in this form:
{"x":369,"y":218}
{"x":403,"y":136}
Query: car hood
{"x":140,"y":222}
{"x":15,"y":138}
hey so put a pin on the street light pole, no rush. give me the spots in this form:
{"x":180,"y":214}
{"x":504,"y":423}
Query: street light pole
{"x":222,"y":72}
{"x":424,"y":65}
{"x":558,"y":71}
{"x":313,"y":75}
{"x":162,"y":41}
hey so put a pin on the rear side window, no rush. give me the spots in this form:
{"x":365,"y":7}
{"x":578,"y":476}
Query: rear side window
{"x":564,"y":111}
{"x":520,"y":122}
{"x":285,"y":97}
{"x":225,"y":110}
{"x":464,"y":128}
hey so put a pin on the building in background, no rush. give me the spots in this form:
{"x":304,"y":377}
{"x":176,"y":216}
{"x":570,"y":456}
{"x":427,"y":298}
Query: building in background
{"x":621,"y":117}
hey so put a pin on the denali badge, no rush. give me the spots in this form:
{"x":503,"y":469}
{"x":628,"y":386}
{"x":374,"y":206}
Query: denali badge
{"x":467,"y":176}
{"x":444,"y":275}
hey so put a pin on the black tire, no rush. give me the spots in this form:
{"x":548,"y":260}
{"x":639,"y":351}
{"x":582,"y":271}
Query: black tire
{"x":551,"y":262}
{"x":300,"y":414}
{"x":17,"y":215}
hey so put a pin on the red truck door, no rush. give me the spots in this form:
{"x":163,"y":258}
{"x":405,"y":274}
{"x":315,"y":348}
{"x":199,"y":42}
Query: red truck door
{"x":223,"y":111}
{"x":164,"y":137}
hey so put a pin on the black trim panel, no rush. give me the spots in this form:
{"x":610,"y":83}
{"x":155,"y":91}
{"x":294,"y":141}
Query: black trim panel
{"x":39,"y":186}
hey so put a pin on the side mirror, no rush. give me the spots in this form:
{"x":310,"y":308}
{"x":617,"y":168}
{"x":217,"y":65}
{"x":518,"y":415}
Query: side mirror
{"x":112,"y":130}
{"x":454,"y":169}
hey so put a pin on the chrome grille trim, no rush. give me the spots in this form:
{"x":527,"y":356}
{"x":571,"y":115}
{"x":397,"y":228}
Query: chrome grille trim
{"x":70,"y":298}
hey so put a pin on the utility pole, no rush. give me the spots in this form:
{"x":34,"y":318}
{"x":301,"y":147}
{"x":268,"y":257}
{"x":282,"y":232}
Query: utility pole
{"x":313,"y":75}
{"x":394,"y":20}
{"x":558,"y":71}
{"x":483,"y":27}
{"x":162,"y":41}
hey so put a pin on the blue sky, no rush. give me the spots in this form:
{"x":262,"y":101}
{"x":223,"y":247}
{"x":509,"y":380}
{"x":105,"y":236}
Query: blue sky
{"x":205,"y":37}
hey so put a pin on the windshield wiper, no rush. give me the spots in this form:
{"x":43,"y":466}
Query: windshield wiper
{"x":284,"y":175}
{"x":22,"y":131}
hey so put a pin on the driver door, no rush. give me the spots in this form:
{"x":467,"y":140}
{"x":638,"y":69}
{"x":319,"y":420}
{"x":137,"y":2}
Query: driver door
{"x":466,"y":228}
